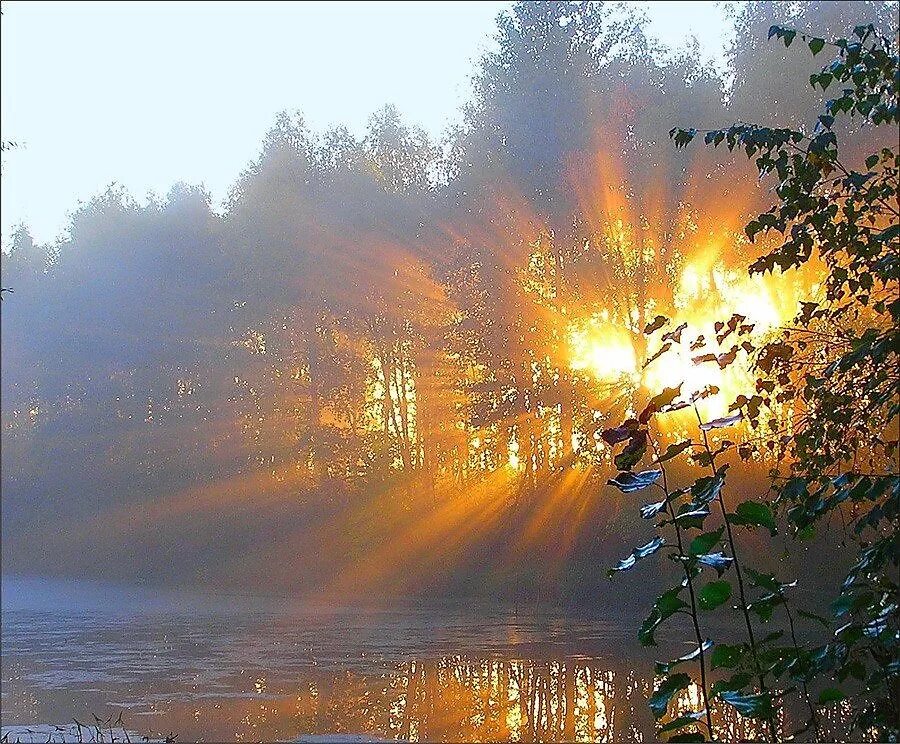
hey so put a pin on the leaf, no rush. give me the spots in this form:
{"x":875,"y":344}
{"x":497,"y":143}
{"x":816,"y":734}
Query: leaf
{"x":659,"y":402}
{"x":641,"y":552}
{"x":676,"y":406}
{"x":830,"y":695}
{"x":754,"y":514}
{"x":691,"y":517}
{"x":714,"y":594}
{"x":708,"y":488}
{"x":718,"y":561}
{"x":633,"y":452}
{"x":659,"y":701}
{"x":701,"y":358}
{"x":654,"y":325}
{"x":629,"y":482}
{"x":734,"y":683}
{"x":813,"y":616}
{"x":749,"y":706}
{"x":816,"y":45}
{"x":767,"y":581}
{"x":691,"y":737}
{"x":648,"y":511}
{"x":673,"y":450}
{"x":620,"y":433}
{"x":726,"y":657}
{"x":675,"y":335}
{"x":683,"y":720}
{"x":662,"y":350}
{"x":666,"y":605}
{"x":721,"y":423}
{"x":663,"y":668}
{"x":765,"y":606}
{"x":703,"y":543}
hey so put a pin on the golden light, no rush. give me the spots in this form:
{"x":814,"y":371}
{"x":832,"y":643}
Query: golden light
{"x":605,"y":352}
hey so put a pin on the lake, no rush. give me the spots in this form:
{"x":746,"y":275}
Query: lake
{"x":237,"y":668}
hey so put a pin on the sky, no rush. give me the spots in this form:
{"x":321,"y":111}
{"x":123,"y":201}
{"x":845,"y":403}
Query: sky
{"x":148,"y":94}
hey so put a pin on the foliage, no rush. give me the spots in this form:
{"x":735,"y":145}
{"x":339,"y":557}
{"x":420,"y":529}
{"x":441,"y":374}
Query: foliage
{"x":832,"y":374}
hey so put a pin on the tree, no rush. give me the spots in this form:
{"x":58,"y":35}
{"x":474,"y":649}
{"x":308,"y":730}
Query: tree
{"x":828,"y":396}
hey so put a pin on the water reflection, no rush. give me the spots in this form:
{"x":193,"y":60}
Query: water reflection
{"x":446,"y":675}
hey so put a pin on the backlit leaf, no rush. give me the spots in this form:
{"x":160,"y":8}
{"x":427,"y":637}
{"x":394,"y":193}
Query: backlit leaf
{"x":633,"y":452}
{"x":721,"y":423}
{"x":620,"y":433}
{"x":673,"y":450}
{"x":654,"y":325}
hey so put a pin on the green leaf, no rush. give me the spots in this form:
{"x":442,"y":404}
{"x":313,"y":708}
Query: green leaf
{"x":683,"y":720}
{"x":704,"y":543}
{"x":766,"y":581}
{"x":749,"y":706}
{"x":816,"y":45}
{"x":725,"y":656}
{"x":734,"y":683}
{"x":691,"y":517}
{"x":659,"y":701}
{"x":666,"y":605}
{"x":766,"y":606}
{"x":754,"y":514}
{"x":830,"y":695}
{"x":663,"y":668}
{"x":712,"y":595}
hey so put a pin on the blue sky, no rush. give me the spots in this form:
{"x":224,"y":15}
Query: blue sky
{"x":148,"y":94}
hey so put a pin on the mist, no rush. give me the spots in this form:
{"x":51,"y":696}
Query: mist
{"x":382,"y":366}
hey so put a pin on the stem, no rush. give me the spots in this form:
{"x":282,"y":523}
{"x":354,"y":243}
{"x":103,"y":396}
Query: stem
{"x":813,"y":714}
{"x":739,"y":574}
{"x":690,"y":585}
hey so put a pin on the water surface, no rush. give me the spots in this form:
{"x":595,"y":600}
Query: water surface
{"x":233,"y":668}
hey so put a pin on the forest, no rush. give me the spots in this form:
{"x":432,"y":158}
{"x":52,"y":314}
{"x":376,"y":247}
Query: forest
{"x":386,"y":363}
{"x":420,"y":339}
